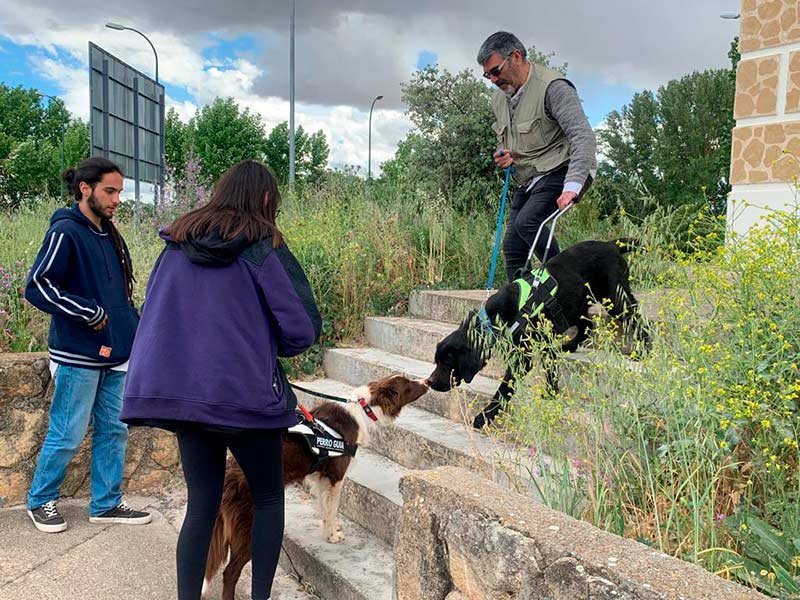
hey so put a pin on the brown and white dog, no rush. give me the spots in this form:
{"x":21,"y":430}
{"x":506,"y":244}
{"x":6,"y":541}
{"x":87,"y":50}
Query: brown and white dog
{"x":231,"y":536}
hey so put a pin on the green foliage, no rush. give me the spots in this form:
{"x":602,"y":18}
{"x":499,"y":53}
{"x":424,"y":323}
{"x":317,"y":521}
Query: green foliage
{"x":310,"y":153}
{"x":31,"y":145}
{"x":692,"y":448}
{"x":673,"y":145}
{"x":450,"y":151}
{"x":222,"y":135}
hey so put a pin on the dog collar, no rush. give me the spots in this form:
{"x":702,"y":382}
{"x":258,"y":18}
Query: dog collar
{"x":485,"y":322}
{"x":367,"y":409}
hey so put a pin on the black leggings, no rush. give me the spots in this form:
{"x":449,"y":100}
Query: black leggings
{"x":203,"y":454}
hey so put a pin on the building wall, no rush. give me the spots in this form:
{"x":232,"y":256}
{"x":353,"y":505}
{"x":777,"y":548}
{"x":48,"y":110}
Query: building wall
{"x":765,"y":157}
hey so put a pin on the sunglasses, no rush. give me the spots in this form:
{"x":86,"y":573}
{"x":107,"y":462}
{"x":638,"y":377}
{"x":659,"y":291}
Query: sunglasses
{"x":495,"y":72}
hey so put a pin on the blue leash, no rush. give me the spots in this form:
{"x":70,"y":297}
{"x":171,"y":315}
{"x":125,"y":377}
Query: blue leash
{"x":497,"y":230}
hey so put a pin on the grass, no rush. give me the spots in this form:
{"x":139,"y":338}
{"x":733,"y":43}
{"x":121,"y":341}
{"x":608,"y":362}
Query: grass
{"x":694,"y":451}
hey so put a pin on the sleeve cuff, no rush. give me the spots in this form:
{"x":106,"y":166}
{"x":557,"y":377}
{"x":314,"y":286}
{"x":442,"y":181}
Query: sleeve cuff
{"x":97,"y":317}
{"x":574,"y":187}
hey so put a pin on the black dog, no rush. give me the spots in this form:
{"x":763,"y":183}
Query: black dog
{"x":586,"y":272}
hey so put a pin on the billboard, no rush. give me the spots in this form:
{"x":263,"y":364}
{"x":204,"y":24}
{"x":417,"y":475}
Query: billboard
{"x":127,"y":117}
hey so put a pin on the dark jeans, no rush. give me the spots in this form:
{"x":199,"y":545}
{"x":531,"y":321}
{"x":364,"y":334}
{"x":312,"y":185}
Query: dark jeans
{"x":528,"y":210}
{"x":203,"y":455}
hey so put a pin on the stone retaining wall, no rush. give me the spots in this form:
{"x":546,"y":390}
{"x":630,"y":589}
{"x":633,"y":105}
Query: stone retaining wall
{"x":461,"y":537}
{"x":25,"y":392}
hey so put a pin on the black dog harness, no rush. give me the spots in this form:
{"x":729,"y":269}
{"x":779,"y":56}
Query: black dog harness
{"x":323,"y":441}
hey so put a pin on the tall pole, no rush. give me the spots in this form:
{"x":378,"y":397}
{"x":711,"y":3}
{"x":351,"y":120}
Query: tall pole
{"x":291,"y":98}
{"x":369,"y":140}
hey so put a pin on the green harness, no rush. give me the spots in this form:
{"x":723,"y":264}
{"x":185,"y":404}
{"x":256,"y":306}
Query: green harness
{"x":538,"y":291}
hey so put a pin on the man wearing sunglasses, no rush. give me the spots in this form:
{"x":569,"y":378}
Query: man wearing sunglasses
{"x":543,"y":135}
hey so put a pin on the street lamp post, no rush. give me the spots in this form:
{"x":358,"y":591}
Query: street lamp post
{"x":369,"y":139}
{"x":63,"y":139}
{"x":118,"y":27}
{"x":291,"y":99}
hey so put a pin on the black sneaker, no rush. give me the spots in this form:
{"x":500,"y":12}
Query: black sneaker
{"x":122,"y":513}
{"x":46,"y":518}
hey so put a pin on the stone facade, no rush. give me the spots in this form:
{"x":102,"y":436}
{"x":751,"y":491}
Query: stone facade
{"x":25,"y":392}
{"x":461,"y":537}
{"x":765,"y":156}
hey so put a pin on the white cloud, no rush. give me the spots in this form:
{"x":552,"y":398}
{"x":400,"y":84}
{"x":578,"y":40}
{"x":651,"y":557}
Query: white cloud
{"x":350,"y":50}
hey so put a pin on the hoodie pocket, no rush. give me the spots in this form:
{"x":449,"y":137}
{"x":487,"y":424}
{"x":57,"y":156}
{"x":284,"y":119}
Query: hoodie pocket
{"x":282,"y":388}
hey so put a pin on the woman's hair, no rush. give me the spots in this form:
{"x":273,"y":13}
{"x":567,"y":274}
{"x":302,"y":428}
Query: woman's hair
{"x":91,"y":171}
{"x":245,"y":203}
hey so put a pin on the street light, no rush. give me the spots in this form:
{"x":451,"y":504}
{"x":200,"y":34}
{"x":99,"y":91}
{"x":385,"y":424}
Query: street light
{"x":369,"y":138}
{"x":63,"y":139}
{"x":119,"y":27}
{"x":729,"y":15}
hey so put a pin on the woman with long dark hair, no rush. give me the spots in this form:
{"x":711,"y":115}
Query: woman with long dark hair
{"x":225,"y":299}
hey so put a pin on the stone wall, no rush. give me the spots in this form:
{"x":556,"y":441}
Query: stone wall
{"x":765,"y":155}
{"x":25,"y":392}
{"x":461,"y":537}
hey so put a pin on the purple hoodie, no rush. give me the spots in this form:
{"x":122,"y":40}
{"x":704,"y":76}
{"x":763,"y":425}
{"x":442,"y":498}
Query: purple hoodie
{"x":216,"y":317}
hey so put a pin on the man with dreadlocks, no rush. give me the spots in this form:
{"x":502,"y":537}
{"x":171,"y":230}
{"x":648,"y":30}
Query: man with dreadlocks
{"x":83,"y":277}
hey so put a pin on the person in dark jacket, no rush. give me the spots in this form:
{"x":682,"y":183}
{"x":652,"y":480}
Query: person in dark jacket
{"x":83,"y":277}
{"x":225,"y":300}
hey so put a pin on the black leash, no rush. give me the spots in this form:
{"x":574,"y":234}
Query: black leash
{"x":319,"y":394}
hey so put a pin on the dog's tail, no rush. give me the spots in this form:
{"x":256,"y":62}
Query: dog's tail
{"x":217,"y":551}
{"x":627,"y":244}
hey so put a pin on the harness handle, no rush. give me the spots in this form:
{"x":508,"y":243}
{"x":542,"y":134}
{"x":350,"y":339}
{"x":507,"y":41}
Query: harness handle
{"x":554,"y":218}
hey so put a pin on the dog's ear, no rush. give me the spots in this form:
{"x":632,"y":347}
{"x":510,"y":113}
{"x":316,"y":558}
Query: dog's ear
{"x":468,"y":365}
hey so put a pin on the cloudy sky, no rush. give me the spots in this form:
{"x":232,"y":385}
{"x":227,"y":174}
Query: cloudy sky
{"x":349,"y":51}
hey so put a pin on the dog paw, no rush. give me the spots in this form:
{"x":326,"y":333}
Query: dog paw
{"x":335,"y":537}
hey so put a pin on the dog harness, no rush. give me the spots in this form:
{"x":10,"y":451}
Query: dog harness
{"x":323,"y":441}
{"x":537,"y":292}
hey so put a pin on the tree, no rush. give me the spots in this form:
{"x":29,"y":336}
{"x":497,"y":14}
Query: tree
{"x":30,"y":145}
{"x":177,"y":141}
{"x":450,"y":150}
{"x":673,"y":145}
{"x":311,"y":153}
{"x":222,"y":135}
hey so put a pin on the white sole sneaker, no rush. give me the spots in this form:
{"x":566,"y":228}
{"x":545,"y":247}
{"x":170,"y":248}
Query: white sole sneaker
{"x":47,"y":528}
{"x":122,"y":520}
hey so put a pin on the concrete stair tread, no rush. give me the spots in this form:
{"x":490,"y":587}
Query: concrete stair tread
{"x":359,"y":568}
{"x":378,"y":473}
{"x":411,"y":367}
{"x":429,"y":426}
{"x":452,"y":305}
{"x":441,"y":329}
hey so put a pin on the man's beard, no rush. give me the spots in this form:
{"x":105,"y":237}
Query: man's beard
{"x":95,"y":207}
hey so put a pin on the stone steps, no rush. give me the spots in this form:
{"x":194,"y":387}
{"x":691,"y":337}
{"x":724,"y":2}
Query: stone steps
{"x":417,"y":338}
{"x":451,"y":306}
{"x":357,"y":366}
{"x":359,"y":568}
{"x":422,"y":440}
{"x":433,"y":432}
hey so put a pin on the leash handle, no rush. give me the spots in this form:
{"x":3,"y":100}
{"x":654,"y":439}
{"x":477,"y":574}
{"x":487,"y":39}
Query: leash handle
{"x":499,"y":227}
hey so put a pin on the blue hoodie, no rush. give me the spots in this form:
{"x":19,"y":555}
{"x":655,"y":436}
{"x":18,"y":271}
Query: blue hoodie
{"x":217,"y":316}
{"x":78,"y":279}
